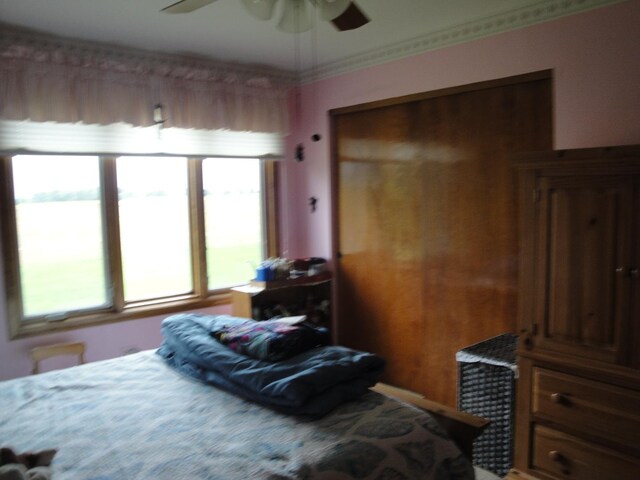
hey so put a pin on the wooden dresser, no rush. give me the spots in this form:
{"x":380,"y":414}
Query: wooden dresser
{"x":578,"y":393}
{"x":310,"y":296}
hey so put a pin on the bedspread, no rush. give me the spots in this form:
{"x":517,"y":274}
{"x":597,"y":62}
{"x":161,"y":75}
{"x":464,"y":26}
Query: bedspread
{"x":133,"y":418}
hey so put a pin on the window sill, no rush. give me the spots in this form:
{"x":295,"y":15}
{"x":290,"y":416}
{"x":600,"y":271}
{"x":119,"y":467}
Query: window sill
{"x":29,"y":329}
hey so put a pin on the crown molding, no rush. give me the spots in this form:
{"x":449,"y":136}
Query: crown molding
{"x":540,"y":12}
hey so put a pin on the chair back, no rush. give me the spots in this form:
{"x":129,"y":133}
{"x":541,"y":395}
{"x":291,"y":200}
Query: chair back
{"x":41,"y":353}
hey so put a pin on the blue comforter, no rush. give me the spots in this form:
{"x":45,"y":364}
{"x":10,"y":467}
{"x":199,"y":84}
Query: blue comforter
{"x":311,"y":383}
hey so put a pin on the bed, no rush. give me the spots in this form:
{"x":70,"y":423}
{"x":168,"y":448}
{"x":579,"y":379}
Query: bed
{"x":136,"y":418}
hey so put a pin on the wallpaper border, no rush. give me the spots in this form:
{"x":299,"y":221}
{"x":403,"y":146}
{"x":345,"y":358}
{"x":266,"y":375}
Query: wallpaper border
{"x":540,"y":12}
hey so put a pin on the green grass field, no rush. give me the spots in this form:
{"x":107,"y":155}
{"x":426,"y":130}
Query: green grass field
{"x":61,"y":249}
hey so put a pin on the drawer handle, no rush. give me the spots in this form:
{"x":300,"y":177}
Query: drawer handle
{"x":559,"y":458}
{"x":633,"y":272}
{"x":556,"y":456}
{"x":560,"y":399}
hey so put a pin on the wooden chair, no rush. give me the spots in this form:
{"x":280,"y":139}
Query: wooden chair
{"x":41,"y":353}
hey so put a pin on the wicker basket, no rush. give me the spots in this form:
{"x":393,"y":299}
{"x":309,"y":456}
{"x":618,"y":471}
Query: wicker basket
{"x":486,"y":387}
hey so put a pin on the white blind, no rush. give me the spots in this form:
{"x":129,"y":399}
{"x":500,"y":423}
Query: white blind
{"x":120,"y":138}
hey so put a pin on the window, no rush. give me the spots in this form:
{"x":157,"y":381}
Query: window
{"x":97,"y":238}
{"x":234,"y":223}
{"x":61,"y":254}
{"x":153,"y":210}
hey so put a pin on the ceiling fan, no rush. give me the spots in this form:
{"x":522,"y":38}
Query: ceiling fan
{"x":294,"y":17}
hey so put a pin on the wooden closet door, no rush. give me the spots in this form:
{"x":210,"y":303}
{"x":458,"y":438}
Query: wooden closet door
{"x":427,"y":225}
{"x":381,"y":212}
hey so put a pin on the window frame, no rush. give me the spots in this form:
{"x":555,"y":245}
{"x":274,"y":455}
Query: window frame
{"x":119,"y":310}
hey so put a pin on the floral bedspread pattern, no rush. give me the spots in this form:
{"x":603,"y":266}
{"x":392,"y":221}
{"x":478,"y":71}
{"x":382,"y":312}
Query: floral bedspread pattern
{"x":133,"y":418}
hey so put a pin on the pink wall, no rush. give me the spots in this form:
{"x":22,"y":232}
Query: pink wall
{"x":596,"y":64}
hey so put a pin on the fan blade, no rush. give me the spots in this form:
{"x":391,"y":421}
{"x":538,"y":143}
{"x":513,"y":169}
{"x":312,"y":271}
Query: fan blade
{"x":295,"y":18}
{"x":262,"y":9}
{"x":186,"y":6}
{"x":351,"y":19}
{"x":330,"y":9}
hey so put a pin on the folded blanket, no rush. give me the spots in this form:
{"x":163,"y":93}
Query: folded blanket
{"x":271,"y":340}
{"x":311,"y":383}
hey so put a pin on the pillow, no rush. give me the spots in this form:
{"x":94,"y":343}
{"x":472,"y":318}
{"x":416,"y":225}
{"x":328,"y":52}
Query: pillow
{"x":271,"y":340}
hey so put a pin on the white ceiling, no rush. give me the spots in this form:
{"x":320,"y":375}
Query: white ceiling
{"x":224,"y":30}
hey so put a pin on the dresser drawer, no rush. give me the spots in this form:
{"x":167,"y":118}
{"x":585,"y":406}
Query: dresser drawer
{"x":595,"y":408}
{"x":564,"y":456}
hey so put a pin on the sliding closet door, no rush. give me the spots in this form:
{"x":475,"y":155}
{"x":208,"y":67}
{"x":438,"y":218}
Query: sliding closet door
{"x":426,"y":224}
{"x":381,"y":211}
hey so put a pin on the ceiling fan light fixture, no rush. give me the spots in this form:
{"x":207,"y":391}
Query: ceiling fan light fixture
{"x":351,"y":18}
{"x":186,"y":6}
{"x":343,"y":14}
{"x":295,"y":17}
{"x":262,"y":9}
{"x":330,"y":9}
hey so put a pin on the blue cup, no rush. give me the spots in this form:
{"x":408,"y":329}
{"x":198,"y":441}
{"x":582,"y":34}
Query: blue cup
{"x":263,"y":273}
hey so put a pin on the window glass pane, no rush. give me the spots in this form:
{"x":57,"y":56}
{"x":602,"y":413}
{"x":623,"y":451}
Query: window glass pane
{"x":154,"y":226}
{"x":233,"y":219}
{"x":60,"y":233}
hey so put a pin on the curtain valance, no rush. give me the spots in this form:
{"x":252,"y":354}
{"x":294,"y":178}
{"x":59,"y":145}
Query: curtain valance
{"x":45,"y":78}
